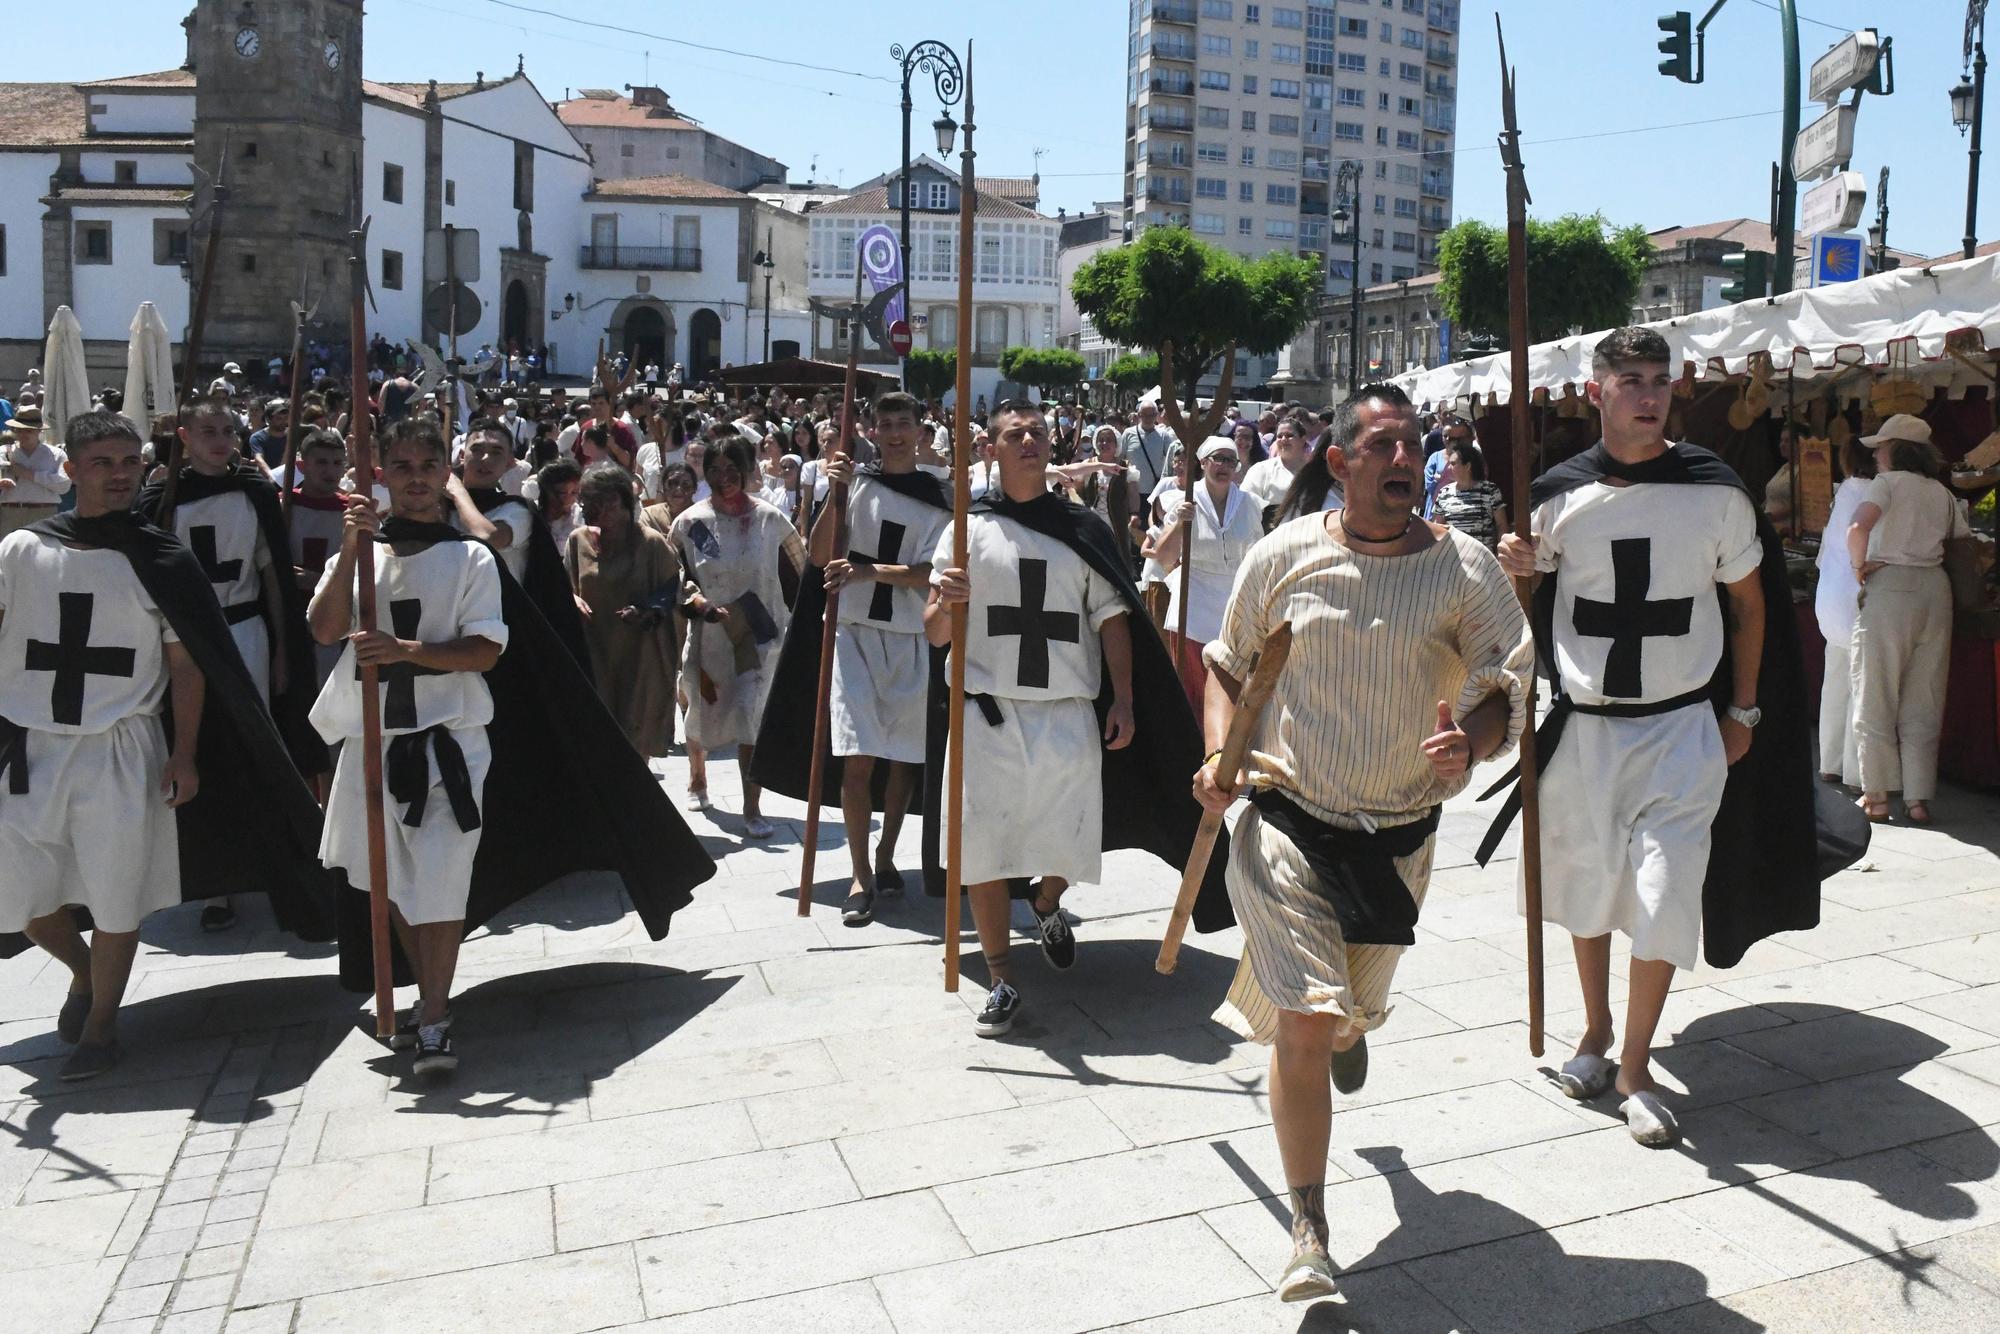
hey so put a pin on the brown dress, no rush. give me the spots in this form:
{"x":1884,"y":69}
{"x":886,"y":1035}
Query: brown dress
{"x":636,"y":664}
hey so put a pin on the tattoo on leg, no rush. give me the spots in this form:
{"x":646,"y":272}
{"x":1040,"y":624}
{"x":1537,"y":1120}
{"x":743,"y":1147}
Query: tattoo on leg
{"x":1309,"y":1218}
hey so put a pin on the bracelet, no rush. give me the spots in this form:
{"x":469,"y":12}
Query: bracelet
{"x":1211,"y":758}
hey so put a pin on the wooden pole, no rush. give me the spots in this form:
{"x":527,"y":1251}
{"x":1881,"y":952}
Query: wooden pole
{"x":371,"y":695}
{"x":1520,"y":421}
{"x":830,"y":625}
{"x":191,"y":351}
{"x":292,"y":423}
{"x":1229,"y":768}
{"x":961,"y":503}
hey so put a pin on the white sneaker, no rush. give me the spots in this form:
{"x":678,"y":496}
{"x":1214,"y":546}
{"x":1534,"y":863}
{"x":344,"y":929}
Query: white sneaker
{"x":758,"y":827}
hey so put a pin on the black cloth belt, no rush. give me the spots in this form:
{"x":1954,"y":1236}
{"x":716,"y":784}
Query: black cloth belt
{"x":1548,"y":736}
{"x":14,"y":756}
{"x":407,"y":771}
{"x":989,"y":708}
{"x":1356,"y":869}
{"x":242,"y":611}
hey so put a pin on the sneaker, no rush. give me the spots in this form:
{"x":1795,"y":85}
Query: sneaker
{"x":89,"y":1060}
{"x":859,"y":910}
{"x":434,"y":1053}
{"x":888,"y":881}
{"x":697,"y":799}
{"x":70,"y":1019}
{"x":756,"y":826}
{"x":1307,"y":1278}
{"x":405,"y":1036}
{"x":1058,"y":941}
{"x":1002,"y":1004}
{"x":218,"y":916}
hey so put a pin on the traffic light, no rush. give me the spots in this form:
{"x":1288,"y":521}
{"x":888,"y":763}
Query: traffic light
{"x":1677,"y":45}
{"x":1752,"y":270}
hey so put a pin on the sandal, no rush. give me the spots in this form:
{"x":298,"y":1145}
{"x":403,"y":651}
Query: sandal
{"x":1875,"y":808}
{"x":1649,"y":1120}
{"x":1586,"y":1077}
{"x":1918,"y":813}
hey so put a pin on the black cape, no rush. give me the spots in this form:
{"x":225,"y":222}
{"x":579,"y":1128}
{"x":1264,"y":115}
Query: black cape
{"x":783,"y":761}
{"x":289,"y":709}
{"x":1776,"y":834}
{"x":1148,"y":786}
{"x":544,"y":579}
{"x":565,"y":791}
{"x":253,"y":827}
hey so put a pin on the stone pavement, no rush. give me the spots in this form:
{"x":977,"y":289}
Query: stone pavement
{"x":769,"y":1124}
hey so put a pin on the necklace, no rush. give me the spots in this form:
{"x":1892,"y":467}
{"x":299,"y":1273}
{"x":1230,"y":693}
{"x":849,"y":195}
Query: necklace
{"x":1378,"y":541}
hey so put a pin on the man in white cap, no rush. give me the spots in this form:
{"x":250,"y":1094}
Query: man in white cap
{"x":32,"y":480}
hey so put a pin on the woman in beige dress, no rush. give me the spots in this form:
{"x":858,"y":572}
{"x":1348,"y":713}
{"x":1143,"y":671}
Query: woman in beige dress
{"x":627,"y":578}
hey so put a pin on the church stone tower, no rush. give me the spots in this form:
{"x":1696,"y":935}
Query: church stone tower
{"x":278,"y":92}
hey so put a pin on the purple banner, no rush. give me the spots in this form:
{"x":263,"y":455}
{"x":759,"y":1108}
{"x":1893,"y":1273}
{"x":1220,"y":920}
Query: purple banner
{"x":882,"y":261}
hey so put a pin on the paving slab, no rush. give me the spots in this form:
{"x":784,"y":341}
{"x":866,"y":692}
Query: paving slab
{"x":582,"y":1150}
{"x":550,"y":1294}
{"x":347,"y":1188}
{"x":887,"y":1161}
{"x":1912,"y":1290}
{"x":664,"y":1200}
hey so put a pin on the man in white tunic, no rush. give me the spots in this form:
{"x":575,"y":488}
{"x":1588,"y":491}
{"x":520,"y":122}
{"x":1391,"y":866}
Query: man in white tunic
{"x":88,"y":785}
{"x":482,"y":507}
{"x":1632,"y":790}
{"x":881,"y":662}
{"x":32,"y":480}
{"x":316,"y":525}
{"x":439,"y":627}
{"x":1042,"y":627}
{"x":1408,"y":665}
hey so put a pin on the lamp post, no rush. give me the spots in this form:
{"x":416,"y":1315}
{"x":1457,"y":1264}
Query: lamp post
{"x":764,"y":261}
{"x":1347,"y":226}
{"x":1878,"y":232}
{"x":937,"y":60}
{"x":1968,"y":105}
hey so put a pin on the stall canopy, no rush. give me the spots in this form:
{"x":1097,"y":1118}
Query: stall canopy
{"x":1909,"y":321}
{"x":801,"y":373}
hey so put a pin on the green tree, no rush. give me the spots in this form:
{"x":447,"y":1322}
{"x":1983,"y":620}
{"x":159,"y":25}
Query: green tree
{"x":1134,"y":373}
{"x":1049,"y":369}
{"x":1582,"y":272}
{"x":1190,"y":302}
{"x":932,"y":370}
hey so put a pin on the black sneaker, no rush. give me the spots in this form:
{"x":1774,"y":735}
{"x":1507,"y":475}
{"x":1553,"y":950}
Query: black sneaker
{"x":89,"y":1060}
{"x":859,"y":909}
{"x":218,"y":916}
{"x":405,"y":1036}
{"x":1058,"y":941}
{"x":1350,"y":1067}
{"x":434,"y":1053}
{"x":1002,"y":1004}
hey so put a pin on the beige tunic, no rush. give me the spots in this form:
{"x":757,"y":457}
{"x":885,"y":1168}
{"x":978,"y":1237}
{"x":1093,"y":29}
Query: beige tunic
{"x":1377,"y":642}
{"x":734,"y":560}
{"x":636,"y":663}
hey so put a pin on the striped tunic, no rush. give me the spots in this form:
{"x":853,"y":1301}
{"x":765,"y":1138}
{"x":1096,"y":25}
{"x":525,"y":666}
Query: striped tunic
{"x":1377,"y":642}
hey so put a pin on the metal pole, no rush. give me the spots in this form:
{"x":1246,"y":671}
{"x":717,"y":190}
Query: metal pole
{"x":904,"y":235}
{"x":1354,"y":300}
{"x":1972,"y":167}
{"x":1788,"y":183}
{"x":961,"y":504}
{"x":769,"y":265}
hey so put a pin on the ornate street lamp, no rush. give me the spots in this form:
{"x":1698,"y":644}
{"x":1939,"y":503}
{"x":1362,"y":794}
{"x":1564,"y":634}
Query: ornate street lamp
{"x":937,"y":60}
{"x":1968,"y":104}
{"x":1347,"y":227}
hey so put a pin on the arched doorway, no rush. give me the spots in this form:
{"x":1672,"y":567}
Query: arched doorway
{"x":514,"y":331}
{"x":704,"y":344}
{"x":646,"y":337}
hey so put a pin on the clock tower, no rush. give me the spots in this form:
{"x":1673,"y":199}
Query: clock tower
{"x":278,"y":107}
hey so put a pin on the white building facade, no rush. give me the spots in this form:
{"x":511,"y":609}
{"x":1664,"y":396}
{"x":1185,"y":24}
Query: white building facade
{"x":1016,"y":283}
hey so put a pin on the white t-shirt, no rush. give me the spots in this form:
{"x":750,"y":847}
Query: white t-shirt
{"x":1268,"y":480}
{"x":1918,"y":514}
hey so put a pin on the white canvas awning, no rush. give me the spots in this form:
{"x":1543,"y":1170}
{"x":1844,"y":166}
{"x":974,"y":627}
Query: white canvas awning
{"x":1816,"y":333}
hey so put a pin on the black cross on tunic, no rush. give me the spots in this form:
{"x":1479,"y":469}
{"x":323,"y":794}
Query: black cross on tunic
{"x":889,"y":551}
{"x":1629,"y":620}
{"x":399,"y":707}
{"x":201,"y":540}
{"x":1036,"y":627}
{"x":73,"y":659}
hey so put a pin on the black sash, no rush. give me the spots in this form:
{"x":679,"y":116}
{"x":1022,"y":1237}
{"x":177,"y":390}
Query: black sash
{"x":242,"y":611}
{"x":407,"y":770}
{"x":14,"y":756}
{"x":1356,"y":870}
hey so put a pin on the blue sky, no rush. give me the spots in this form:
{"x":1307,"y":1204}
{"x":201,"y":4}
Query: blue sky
{"x":1050,"y":75}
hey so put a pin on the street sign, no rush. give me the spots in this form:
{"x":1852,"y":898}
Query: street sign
{"x":1835,"y":205}
{"x":1824,"y":144}
{"x":1836,"y":258}
{"x":464,"y":263}
{"x":1849,"y":64}
{"x":920,"y":323}
{"x":899,"y":338}
{"x":439,"y":303}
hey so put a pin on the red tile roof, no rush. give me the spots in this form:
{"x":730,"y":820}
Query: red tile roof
{"x":619,"y":113}
{"x":663,"y":187}
{"x":1748,"y":232}
{"x":36,"y":117}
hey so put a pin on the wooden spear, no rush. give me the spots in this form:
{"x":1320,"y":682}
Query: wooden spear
{"x":1250,"y":704}
{"x":293,"y":426}
{"x":218,"y":195}
{"x":830,"y":625}
{"x":961,"y":504}
{"x":1521,"y":425}
{"x":364,"y":612}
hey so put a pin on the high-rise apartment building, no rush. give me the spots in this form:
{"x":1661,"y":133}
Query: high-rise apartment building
{"x":1240,"y":114}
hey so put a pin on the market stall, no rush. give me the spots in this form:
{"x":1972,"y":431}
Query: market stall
{"x":1829,"y":363}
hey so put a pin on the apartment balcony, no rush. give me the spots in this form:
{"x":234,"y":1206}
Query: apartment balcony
{"x":1438,"y":85}
{"x":1444,"y":15}
{"x":1436,"y":185}
{"x":1166,"y":49}
{"x":1438,"y":53}
{"x":1177,"y":119}
{"x":1172,"y":13}
{"x":1440,"y":117}
{"x":1170,"y":192}
{"x":1434,"y":219}
{"x":656,"y":258}
{"x":1171,"y":83}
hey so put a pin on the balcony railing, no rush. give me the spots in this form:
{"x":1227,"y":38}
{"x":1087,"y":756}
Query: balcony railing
{"x":1440,"y":117}
{"x":665,"y":258}
{"x":1170,"y":13}
{"x":1173,"y":83}
{"x":1168,"y":118}
{"x":1165,"y":49}
{"x":1437,"y":186}
{"x":1438,"y":53}
{"x":1444,"y":15}
{"x":1434,"y":219}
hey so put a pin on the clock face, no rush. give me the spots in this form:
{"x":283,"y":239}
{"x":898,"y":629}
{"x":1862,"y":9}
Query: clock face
{"x":332,"y":53}
{"x":248,"y":43}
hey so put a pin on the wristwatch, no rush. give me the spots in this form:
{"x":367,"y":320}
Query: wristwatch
{"x":1749,"y":717}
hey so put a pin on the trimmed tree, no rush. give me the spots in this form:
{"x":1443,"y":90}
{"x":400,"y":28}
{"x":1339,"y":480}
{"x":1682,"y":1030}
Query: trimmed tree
{"x":1048,"y":369}
{"x":1582,"y":273}
{"x":931,"y":372}
{"x":1134,"y":373}
{"x":1190,"y":302}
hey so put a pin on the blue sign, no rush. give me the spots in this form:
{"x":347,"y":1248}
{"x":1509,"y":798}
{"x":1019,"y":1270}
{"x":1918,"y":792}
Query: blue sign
{"x":1444,"y":343}
{"x":1836,"y":258}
